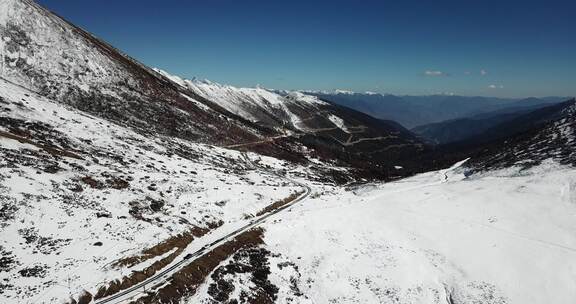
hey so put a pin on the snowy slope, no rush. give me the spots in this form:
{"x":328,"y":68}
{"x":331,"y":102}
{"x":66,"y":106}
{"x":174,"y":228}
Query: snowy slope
{"x":78,"y":193}
{"x":52,"y":57}
{"x":438,"y":237}
{"x":552,"y":140}
{"x":505,"y":236}
{"x":331,"y":130}
{"x":46,"y":54}
{"x":109,"y":168}
{"x":256,"y":104}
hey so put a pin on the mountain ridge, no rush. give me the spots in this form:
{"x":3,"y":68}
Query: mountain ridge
{"x":51,"y":56}
{"x":413,"y":111}
{"x":460,"y":129}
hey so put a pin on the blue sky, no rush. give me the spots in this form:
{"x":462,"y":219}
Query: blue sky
{"x":492,"y":48}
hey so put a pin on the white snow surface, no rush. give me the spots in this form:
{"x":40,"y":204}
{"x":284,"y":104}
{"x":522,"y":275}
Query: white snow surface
{"x":45,"y":224}
{"x":338,"y":122}
{"x":255,"y":104}
{"x":502,"y":237}
{"x":47,"y":46}
{"x":505,"y":236}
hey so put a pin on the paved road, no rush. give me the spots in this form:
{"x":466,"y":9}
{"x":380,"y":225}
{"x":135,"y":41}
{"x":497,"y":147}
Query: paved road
{"x":270,"y":139}
{"x":189,"y":258}
{"x":348,"y":142}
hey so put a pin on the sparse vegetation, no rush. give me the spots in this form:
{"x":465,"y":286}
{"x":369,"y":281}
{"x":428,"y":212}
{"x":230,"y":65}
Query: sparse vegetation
{"x":8,"y":208}
{"x":279,"y":204}
{"x":38,"y":271}
{"x":186,"y":281}
{"x":179,"y":242}
{"x":175,"y":244}
{"x":7,"y":260}
{"x":253,"y":261}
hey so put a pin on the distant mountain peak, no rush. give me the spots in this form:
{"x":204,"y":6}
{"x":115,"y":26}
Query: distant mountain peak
{"x":202,"y":80}
{"x":339,"y":91}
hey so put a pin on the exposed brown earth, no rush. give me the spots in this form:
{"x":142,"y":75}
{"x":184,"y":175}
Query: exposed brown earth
{"x":178,"y":242}
{"x":186,"y":281}
{"x":279,"y":204}
{"x":51,"y":150}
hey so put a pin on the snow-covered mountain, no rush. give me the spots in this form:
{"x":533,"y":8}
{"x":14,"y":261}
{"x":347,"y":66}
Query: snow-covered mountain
{"x":124,"y":184}
{"x":79,"y":193}
{"x":413,"y":111}
{"x":52,"y":57}
{"x":283,"y":112}
{"x":542,"y":135}
{"x":55,"y":59}
{"x":326,"y":127}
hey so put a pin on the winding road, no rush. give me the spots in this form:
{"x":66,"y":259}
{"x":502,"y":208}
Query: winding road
{"x":164,"y":275}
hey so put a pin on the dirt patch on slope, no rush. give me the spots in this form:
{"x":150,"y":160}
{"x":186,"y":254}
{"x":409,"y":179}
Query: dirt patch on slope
{"x":176,"y":244}
{"x":178,"y":241}
{"x":186,"y":281}
{"x":52,"y":150}
{"x":279,"y":204}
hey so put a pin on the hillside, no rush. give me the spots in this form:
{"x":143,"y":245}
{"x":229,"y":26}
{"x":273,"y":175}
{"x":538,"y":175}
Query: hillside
{"x":333,"y":131}
{"x":542,"y":135}
{"x":461,"y":129}
{"x":60,"y":61}
{"x":524,"y":141}
{"x":79,"y":193}
{"x":121,"y":183}
{"x":52,"y":57}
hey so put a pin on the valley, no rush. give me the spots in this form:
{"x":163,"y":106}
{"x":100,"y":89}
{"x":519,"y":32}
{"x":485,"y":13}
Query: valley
{"x":123,"y":183}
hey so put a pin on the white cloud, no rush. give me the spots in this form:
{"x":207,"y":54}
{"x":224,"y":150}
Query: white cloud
{"x":435,"y":73}
{"x":483,"y":72}
{"x":495,"y":86}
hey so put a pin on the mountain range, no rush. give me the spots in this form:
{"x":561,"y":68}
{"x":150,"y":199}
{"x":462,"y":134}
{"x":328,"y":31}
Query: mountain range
{"x":55,"y":59}
{"x":459,"y":129}
{"x":123,"y":183}
{"x":414,"y":111}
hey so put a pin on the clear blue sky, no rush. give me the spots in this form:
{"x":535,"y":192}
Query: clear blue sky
{"x":495,"y":48}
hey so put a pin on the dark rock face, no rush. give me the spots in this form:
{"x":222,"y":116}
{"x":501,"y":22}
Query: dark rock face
{"x":7,"y":260}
